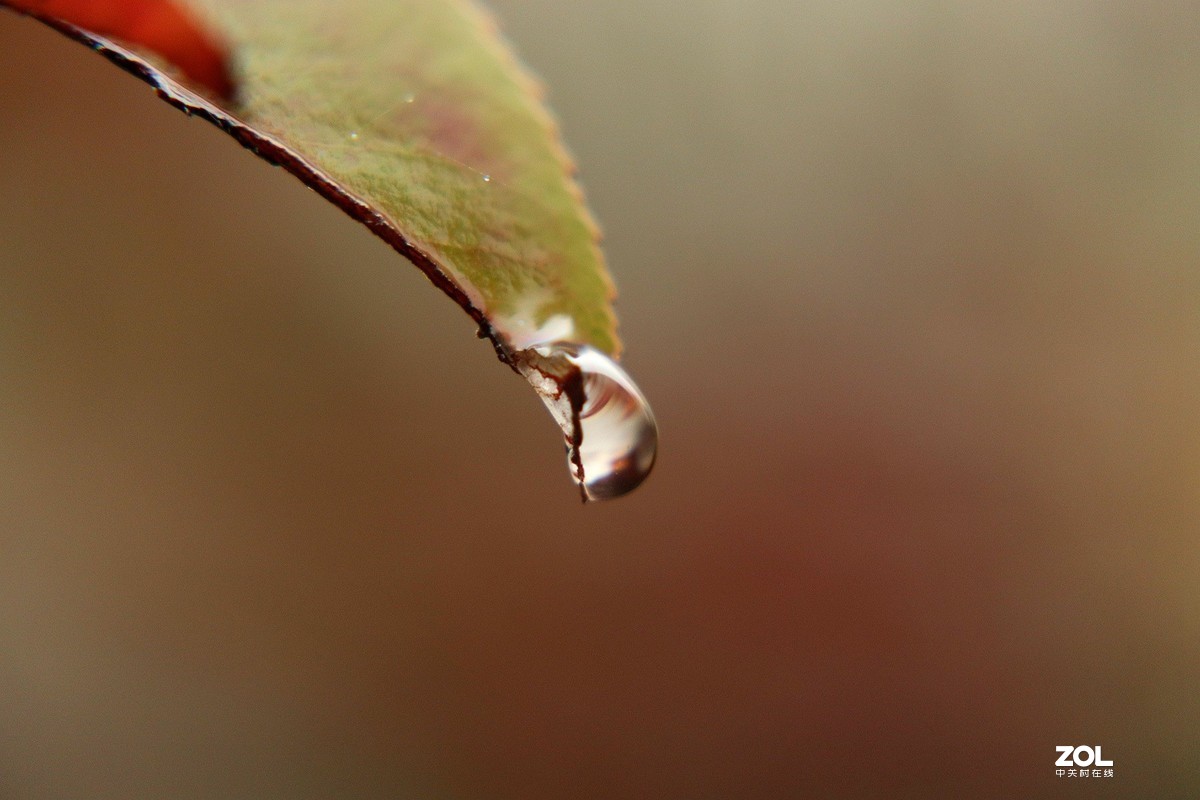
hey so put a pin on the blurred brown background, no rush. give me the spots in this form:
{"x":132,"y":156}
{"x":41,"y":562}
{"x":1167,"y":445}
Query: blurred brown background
{"x":914,"y":289}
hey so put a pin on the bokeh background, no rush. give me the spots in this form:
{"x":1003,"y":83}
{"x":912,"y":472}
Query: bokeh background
{"x":914,"y":289}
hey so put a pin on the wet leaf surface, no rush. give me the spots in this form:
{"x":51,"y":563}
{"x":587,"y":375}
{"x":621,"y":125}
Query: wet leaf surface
{"x":413,"y":117}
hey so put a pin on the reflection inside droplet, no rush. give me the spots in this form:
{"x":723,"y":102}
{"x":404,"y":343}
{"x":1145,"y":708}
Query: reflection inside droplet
{"x":612,"y":438}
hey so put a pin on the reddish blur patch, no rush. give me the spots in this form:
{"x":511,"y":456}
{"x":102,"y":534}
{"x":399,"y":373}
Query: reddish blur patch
{"x":157,"y":25}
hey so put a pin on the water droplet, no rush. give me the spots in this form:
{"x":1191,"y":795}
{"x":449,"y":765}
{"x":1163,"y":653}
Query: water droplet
{"x":487,"y":177}
{"x":354,"y":135}
{"x":612,"y":438}
{"x":408,"y":98}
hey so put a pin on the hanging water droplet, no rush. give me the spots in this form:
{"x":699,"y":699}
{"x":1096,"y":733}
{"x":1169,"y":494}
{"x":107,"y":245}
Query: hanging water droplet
{"x":354,"y":135}
{"x":487,"y":177}
{"x":612,"y":438}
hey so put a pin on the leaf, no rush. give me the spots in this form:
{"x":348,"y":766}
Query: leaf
{"x":410,"y":115}
{"x":415,"y":119}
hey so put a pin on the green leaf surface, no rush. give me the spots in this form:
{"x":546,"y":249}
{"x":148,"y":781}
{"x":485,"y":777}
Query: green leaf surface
{"x":415,"y":118}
